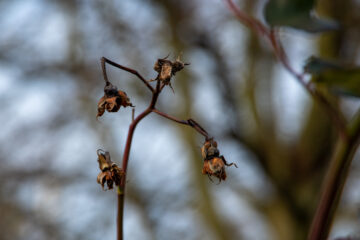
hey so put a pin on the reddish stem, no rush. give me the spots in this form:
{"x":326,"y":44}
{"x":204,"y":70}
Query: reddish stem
{"x":130,"y":70}
{"x":190,"y":122}
{"x":121,"y":188}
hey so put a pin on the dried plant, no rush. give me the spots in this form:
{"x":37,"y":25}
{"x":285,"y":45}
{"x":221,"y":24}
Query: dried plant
{"x":113,"y":99}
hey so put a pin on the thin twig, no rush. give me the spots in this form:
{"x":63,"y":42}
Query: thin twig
{"x":190,"y":122}
{"x":130,"y":70}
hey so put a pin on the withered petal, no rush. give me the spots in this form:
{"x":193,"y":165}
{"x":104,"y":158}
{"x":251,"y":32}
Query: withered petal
{"x":101,"y":107}
{"x":104,"y":160}
{"x":214,"y":167}
{"x":125,"y":101}
{"x":113,"y":104}
{"x":99,"y":178}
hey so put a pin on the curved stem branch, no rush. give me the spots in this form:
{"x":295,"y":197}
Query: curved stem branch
{"x":190,"y":122}
{"x":130,"y":70}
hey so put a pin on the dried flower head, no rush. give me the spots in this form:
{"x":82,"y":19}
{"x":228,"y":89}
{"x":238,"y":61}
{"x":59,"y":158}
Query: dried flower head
{"x":166,"y":69}
{"x":110,"y":172}
{"x":214,"y":164}
{"x":112,"y":100}
{"x":209,"y":149}
{"x":215,"y":167}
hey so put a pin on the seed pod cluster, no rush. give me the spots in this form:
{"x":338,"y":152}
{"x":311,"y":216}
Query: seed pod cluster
{"x":214,"y":163}
{"x":110,"y":172}
{"x":112,"y":100}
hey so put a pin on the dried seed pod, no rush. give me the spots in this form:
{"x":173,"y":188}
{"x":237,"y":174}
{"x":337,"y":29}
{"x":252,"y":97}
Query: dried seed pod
{"x":166,"y":69}
{"x":110,"y":172}
{"x":112,"y":100}
{"x":214,"y":164}
{"x":215,"y":167}
{"x":104,"y":160}
{"x":209,"y":149}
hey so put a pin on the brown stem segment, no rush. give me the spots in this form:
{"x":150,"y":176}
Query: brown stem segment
{"x":121,"y":188}
{"x":190,"y":122}
{"x":120,"y":214}
{"x":130,"y":70}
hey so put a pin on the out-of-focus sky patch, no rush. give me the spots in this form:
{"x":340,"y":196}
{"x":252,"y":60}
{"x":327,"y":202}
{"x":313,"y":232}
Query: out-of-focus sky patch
{"x":15,"y":14}
{"x":178,"y":225}
{"x":232,"y":38}
{"x":290,"y":104}
{"x":79,"y":207}
{"x":343,"y":228}
{"x":77,"y":152}
{"x":304,"y":48}
{"x":292,"y":101}
{"x":206,"y":102}
{"x":158,"y":159}
{"x":247,"y":174}
{"x":351,"y":193}
{"x":134,"y":227}
{"x":45,"y":35}
{"x":5,"y":81}
{"x":138,"y":14}
{"x":249,"y":223}
{"x":52,"y":38}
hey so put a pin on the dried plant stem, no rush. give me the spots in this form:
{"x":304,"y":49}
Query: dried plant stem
{"x":120,"y":214}
{"x":136,"y":73}
{"x":125,"y":160}
{"x":190,"y":122}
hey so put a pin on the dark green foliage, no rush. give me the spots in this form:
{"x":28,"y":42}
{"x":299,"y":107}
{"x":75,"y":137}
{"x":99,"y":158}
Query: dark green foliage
{"x":297,"y":14}
{"x":340,"y":79}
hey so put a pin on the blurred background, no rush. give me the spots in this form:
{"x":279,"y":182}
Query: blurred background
{"x":51,"y":80}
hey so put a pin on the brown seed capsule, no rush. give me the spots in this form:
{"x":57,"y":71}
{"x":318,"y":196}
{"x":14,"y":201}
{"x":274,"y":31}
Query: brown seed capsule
{"x":166,"y":69}
{"x":214,"y":164}
{"x":112,"y":100}
{"x":209,"y":149}
{"x":215,"y":167}
{"x":110,"y":172}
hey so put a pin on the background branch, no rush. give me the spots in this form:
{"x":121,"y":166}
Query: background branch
{"x":279,"y":51}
